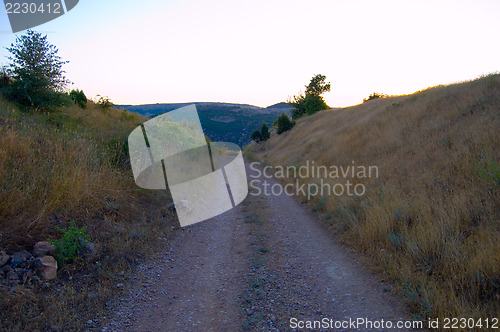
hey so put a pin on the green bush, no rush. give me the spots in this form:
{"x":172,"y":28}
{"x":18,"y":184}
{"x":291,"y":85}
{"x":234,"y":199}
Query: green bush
{"x":284,"y":123}
{"x":72,"y":244}
{"x":79,"y":98}
{"x":129,"y":116}
{"x":374,"y":95}
{"x":104,"y":102}
{"x":490,"y":170}
{"x":256,"y":136}
{"x":264,"y":132}
{"x":321,"y":205}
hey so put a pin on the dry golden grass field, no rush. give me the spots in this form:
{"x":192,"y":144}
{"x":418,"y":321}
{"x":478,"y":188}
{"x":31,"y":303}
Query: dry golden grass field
{"x":430,"y":222}
{"x":64,"y":166}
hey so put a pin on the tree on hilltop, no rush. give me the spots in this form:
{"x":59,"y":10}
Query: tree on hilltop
{"x":312,"y":101}
{"x":318,"y":85}
{"x":36,"y":72}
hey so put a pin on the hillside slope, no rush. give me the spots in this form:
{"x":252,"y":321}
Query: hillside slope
{"x":222,"y":122}
{"x":429,"y":221}
{"x":59,"y":167}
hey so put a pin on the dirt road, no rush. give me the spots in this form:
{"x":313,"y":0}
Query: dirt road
{"x":265,"y":265}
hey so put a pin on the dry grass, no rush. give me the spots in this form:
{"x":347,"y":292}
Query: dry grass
{"x":65,"y":166}
{"x":430,"y":222}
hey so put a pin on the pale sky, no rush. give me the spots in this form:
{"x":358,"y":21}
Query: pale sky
{"x":260,"y":52}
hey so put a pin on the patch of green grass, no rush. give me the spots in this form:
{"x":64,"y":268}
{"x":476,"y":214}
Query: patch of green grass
{"x":341,"y":213}
{"x":417,"y":293}
{"x":321,"y":205}
{"x":250,"y":156}
{"x":250,"y":218}
{"x":263,"y":250}
{"x":396,"y":239}
{"x":445,"y":142}
{"x":72,"y":244}
{"x":246,"y":326}
{"x":258,"y":262}
{"x":138,"y":233}
{"x":342,"y":227}
{"x":490,"y":171}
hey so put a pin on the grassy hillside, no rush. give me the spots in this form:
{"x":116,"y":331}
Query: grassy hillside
{"x":430,"y":221}
{"x":65,"y":166}
{"x":222,"y":122}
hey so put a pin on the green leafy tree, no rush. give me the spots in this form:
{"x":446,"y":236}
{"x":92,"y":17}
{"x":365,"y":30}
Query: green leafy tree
{"x":256,"y":136}
{"x":312,"y":101}
{"x":36,"y":71}
{"x":283,"y":123}
{"x":264,"y":132}
{"x":79,"y":98}
{"x":318,"y":85}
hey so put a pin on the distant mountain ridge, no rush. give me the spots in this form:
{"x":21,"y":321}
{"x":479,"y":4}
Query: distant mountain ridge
{"x":222,"y":122}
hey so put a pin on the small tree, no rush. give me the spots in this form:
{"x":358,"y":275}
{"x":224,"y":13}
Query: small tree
{"x":36,"y":71}
{"x":79,"y":98}
{"x":264,"y":132}
{"x":256,"y":136}
{"x":284,"y":123}
{"x":312,"y":101}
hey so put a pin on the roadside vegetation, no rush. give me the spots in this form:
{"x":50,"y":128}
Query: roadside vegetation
{"x":429,"y":222}
{"x":283,"y":123}
{"x":65,"y":178}
{"x":303,"y":105}
{"x":374,"y":95}
{"x":64,"y":167}
{"x":261,"y":135}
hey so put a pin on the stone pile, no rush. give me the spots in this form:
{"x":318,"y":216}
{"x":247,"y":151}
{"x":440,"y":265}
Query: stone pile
{"x":22,"y":265}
